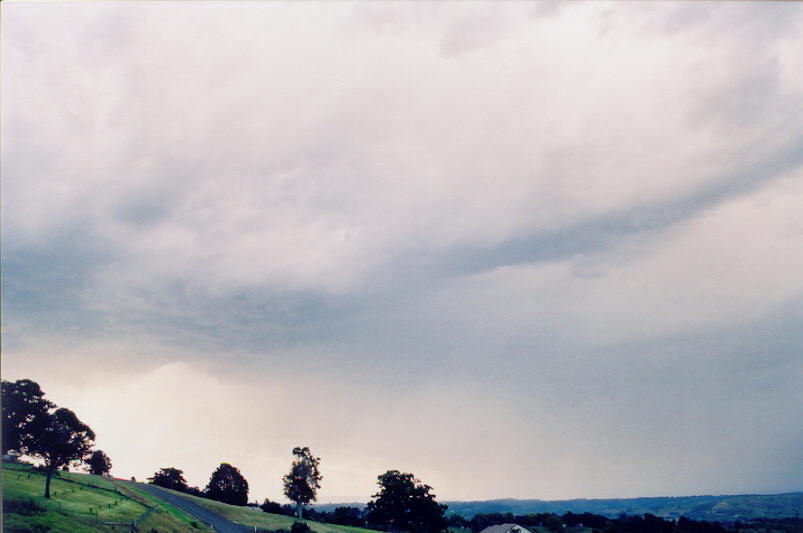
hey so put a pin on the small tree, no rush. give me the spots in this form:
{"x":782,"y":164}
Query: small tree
{"x":62,"y":439}
{"x":403,"y":503}
{"x":169,"y":478}
{"x":457,"y":520}
{"x":553,"y":523}
{"x":301,"y":484}
{"x":271,"y":507}
{"x":227,"y":485}
{"x":23,"y":402}
{"x":99,"y":463}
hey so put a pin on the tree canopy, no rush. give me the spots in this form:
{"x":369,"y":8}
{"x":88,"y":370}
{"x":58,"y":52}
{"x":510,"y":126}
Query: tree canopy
{"x":24,"y":406}
{"x":30,"y":428}
{"x":227,"y":485}
{"x":403,"y":503}
{"x":169,"y":478}
{"x":301,"y":484}
{"x":99,"y":463}
{"x":62,"y":439}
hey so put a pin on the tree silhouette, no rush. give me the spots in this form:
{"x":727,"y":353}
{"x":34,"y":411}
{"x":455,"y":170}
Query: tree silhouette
{"x":61,"y":439}
{"x":271,"y":507}
{"x":23,"y":402}
{"x":169,"y":478}
{"x":227,"y":485}
{"x":99,"y":463}
{"x":301,"y":484}
{"x":403,"y":503}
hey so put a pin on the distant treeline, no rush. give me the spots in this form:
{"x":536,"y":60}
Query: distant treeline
{"x":646,"y":523}
{"x":342,"y":515}
{"x":709,"y":508}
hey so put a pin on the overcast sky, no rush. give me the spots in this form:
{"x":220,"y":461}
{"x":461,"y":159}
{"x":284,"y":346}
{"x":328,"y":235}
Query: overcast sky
{"x":520,"y":250}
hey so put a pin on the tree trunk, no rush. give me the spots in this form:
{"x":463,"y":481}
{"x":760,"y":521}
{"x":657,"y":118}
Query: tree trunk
{"x":298,"y":510}
{"x":47,"y":481}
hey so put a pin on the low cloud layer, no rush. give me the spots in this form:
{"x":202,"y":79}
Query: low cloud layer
{"x":558,"y":241}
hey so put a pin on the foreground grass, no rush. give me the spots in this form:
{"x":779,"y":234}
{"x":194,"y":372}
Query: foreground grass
{"x":79,"y":503}
{"x":247,"y":516}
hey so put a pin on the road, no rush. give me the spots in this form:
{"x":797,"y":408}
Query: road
{"x":220,"y":525}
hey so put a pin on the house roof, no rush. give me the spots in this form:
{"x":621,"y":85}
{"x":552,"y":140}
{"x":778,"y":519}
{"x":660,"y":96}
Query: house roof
{"x":505,"y":528}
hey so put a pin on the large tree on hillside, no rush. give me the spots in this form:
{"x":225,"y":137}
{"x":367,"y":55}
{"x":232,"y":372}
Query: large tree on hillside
{"x":61,"y":438}
{"x":23,"y":402}
{"x":227,"y":485}
{"x":169,"y":478}
{"x":99,"y":463}
{"x":301,"y":484}
{"x":403,"y":503}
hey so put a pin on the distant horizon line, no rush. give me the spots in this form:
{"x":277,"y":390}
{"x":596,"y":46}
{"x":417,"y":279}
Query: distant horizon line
{"x":508,"y":499}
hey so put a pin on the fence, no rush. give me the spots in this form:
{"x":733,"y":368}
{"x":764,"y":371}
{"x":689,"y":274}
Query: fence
{"x":136,"y":523}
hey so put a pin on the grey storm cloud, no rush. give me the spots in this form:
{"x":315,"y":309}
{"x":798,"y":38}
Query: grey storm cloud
{"x":577,"y":226}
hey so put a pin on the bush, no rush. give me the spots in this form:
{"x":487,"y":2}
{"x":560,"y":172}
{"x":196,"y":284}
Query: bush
{"x":26,"y":507}
{"x":271,"y":507}
{"x":553,"y":523}
{"x":37,"y":528}
{"x":300,"y":527}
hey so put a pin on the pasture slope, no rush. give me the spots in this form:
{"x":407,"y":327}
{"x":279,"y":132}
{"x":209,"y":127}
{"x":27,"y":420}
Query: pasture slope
{"x":82,"y":503}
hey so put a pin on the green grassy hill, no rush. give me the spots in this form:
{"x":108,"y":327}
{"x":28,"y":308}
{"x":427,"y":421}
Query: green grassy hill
{"x":82,"y":503}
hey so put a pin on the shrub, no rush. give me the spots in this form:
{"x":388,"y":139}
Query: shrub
{"x":553,"y":523}
{"x":271,"y":507}
{"x":300,"y":527}
{"x":26,"y":507}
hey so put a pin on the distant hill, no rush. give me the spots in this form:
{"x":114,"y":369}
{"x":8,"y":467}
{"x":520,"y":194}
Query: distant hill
{"x":710,"y":508}
{"x":719,"y":508}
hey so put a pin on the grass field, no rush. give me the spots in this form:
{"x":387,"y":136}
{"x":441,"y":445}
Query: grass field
{"x":79,"y":503}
